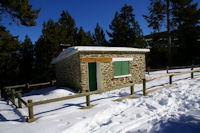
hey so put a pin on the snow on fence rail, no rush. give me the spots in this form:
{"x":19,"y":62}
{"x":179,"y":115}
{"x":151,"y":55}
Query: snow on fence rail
{"x":11,"y":92}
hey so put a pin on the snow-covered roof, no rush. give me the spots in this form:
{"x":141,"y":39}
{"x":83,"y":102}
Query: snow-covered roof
{"x":72,"y":50}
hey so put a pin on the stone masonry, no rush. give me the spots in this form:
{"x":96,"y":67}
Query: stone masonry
{"x":68,"y":72}
{"x":137,"y":69}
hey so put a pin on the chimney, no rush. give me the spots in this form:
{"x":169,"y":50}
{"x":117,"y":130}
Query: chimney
{"x":64,"y":46}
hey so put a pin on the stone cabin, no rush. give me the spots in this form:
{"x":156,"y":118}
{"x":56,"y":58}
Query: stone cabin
{"x":91,"y":67}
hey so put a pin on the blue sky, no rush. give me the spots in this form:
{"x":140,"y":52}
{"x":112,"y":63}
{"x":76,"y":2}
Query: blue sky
{"x":85,"y":12}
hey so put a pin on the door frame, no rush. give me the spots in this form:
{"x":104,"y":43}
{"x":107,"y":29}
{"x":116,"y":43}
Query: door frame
{"x":98,"y":71}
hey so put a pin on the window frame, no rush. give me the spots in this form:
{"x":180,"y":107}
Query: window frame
{"x":121,"y":60}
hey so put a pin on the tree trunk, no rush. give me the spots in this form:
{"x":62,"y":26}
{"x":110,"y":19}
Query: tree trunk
{"x":169,"y":35}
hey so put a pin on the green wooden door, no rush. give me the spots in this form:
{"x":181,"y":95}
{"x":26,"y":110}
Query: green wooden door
{"x":92,"y":76}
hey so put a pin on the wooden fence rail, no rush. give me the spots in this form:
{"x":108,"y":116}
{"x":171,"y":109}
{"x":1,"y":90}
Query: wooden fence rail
{"x":30,"y":85}
{"x":170,"y":68}
{"x":40,"y":84}
{"x":158,"y":77}
{"x":15,"y":86}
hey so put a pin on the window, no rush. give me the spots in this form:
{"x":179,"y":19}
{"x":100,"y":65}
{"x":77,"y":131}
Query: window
{"x":121,"y":68}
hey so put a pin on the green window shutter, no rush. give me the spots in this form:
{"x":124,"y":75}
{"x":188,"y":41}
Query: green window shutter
{"x":125,"y":68}
{"x":117,"y":68}
{"x":121,"y":68}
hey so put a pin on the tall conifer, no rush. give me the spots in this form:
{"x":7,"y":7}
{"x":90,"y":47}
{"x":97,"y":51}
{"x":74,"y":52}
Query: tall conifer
{"x":99,"y":36}
{"x":125,"y":29}
{"x":68,"y":26}
{"x":83,"y":38}
{"x":9,"y":58}
{"x":27,"y":60}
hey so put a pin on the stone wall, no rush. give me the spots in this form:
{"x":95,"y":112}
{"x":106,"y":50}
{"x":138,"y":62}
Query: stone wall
{"x":68,"y":72}
{"x":137,"y":69}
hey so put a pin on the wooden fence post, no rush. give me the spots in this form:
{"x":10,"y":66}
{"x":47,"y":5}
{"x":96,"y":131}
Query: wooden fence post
{"x":8,"y":95}
{"x":144,"y":87}
{"x":132,"y":89}
{"x":167,"y":69}
{"x":192,"y":73}
{"x":52,"y":83}
{"x":0,"y":94}
{"x":13,"y":96}
{"x":30,"y":109}
{"x":148,"y":69}
{"x":170,"y":79}
{"x":27,"y":85}
{"x":88,"y":100}
{"x":19,"y":95}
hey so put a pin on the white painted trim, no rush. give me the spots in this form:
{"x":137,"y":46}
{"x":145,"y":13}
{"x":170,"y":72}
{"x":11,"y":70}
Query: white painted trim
{"x":88,"y":76}
{"x":123,"y":76}
{"x":122,"y":59}
{"x":98,"y":74}
{"x":100,"y":48}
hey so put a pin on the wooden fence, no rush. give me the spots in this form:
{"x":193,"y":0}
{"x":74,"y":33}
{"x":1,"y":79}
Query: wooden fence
{"x":167,"y":69}
{"x":30,"y":104}
{"x":170,"y":75}
{"x":12,"y":94}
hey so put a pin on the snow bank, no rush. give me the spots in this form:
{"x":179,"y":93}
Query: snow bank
{"x":61,"y":92}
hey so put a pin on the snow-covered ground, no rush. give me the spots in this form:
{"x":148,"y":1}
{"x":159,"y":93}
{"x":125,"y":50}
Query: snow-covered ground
{"x":170,"y":110}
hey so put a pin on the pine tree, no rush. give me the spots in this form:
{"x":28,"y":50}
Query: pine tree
{"x":27,"y":60}
{"x":89,"y":37}
{"x":125,"y":29}
{"x":182,"y":16}
{"x":99,"y":36}
{"x":68,"y":26}
{"x":47,"y":47}
{"x":83,"y":38}
{"x":186,"y":17}
{"x":9,"y":58}
{"x":158,"y":10}
{"x":156,"y":15}
{"x":53,"y":33}
{"x":19,"y":11}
